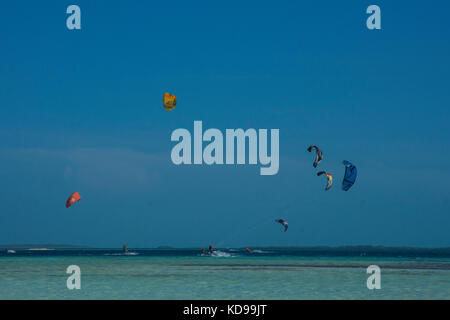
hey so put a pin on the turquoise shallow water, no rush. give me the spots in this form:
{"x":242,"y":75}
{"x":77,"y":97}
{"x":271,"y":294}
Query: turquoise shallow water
{"x":234,"y":275}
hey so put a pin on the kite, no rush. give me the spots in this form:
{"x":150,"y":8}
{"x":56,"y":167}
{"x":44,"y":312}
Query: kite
{"x":349,"y":175}
{"x":74,"y":197}
{"x":283,"y":223}
{"x":170,"y":101}
{"x":329,"y":176}
{"x":319,"y":155}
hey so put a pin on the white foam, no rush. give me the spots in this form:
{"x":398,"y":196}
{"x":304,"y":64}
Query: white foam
{"x":122,"y":254}
{"x":218,"y":253}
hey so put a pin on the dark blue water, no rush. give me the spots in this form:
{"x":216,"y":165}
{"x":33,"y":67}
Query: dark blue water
{"x":264,"y":252}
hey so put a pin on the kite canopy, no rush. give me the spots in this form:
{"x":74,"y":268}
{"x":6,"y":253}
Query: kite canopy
{"x":329,"y":177}
{"x":283,"y":223}
{"x":349,"y":176}
{"x":170,"y":101}
{"x":74,"y":197}
{"x":319,"y":155}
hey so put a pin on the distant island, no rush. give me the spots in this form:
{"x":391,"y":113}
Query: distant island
{"x":357,"y":247}
{"x":42,"y":246}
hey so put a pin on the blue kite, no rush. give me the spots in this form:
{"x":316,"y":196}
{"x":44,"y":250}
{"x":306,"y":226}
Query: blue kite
{"x":349,"y":176}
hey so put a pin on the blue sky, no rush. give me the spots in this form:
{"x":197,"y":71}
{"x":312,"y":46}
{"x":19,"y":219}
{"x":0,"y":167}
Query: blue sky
{"x":81,"y":111}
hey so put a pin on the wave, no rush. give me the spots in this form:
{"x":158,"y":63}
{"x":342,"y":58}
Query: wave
{"x":218,"y":253}
{"x":260,"y":251}
{"x":122,"y":254}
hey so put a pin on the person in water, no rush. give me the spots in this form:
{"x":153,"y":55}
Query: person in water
{"x":211,"y":249}
{"x":203,"y":251}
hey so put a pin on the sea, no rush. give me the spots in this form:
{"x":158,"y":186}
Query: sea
{"x":262,"y":274}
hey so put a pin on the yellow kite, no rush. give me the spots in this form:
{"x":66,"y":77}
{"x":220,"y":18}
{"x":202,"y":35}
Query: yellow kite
{"x":170,"y":101}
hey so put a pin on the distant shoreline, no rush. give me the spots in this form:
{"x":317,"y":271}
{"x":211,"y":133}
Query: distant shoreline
{"x":367,"y":248}
{"x":42,"y":246}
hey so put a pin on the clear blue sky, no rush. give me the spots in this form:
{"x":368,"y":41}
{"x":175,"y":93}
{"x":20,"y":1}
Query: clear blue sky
{"x":81,"y":111}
